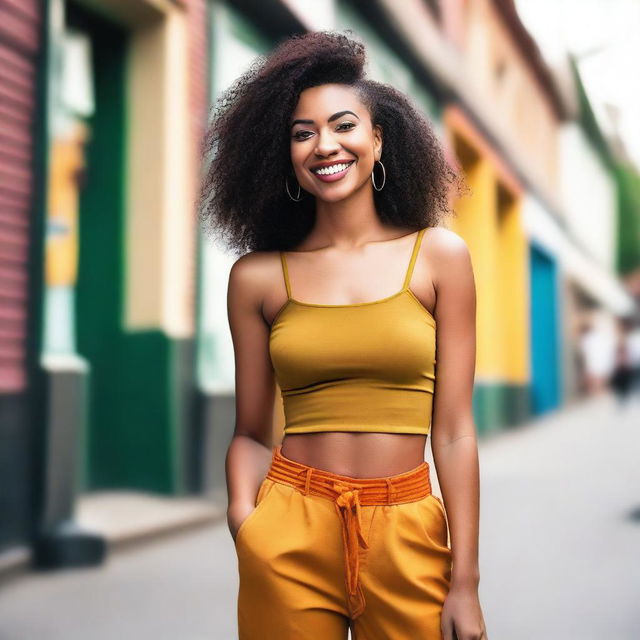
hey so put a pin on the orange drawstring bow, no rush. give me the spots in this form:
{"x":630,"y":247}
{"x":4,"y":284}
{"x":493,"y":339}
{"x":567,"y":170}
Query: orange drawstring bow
{"x":346,"y":503}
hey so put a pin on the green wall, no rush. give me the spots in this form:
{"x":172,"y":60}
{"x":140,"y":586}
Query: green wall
{"x":628,"y":182}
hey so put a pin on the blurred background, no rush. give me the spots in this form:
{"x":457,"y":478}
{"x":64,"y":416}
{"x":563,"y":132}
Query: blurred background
{"x":116,"y":362}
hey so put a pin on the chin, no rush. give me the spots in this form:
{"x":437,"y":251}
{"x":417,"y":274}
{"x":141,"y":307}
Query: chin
{"x":334,"y":197}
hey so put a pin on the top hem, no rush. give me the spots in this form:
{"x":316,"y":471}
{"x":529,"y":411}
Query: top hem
{"x":355,"y":429}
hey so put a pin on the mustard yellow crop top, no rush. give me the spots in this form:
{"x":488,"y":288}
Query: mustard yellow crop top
{"x":368,"y":366}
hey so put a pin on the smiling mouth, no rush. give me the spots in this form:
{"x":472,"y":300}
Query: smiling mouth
{"x":333,"y":172}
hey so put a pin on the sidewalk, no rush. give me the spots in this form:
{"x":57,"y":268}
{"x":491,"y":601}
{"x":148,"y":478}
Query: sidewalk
{"x":126,"y":518}
{"x":560,"y":526}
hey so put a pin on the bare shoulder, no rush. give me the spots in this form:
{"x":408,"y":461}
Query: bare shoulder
{"x":252,"y":265}
{"x":446,"y":242}
{"x":252,"y":272}
{"x":447,"y":253}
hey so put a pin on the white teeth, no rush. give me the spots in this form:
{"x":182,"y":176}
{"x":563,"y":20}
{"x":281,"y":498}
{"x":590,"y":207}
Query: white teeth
{"x":336,"y":168}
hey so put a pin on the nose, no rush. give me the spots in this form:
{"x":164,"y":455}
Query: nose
{"x":326,"y":144}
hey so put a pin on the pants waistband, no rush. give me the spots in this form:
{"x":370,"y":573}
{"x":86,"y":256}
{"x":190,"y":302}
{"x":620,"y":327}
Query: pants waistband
{"x":410,"y":486}
{"x":349,"y":494}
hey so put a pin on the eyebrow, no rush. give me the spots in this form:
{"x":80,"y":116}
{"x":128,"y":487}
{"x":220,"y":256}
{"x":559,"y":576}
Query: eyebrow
{"x":335,"y":116}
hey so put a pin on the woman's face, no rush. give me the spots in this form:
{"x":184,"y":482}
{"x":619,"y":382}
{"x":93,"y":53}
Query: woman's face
{"x":330,"y":126}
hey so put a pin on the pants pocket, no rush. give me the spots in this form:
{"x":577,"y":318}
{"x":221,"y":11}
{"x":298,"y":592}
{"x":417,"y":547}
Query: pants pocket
{"x":434,"y":521}
{"x":263,"y":491}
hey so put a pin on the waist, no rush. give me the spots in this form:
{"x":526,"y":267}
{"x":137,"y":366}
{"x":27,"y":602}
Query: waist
{"x":356,"y":454}
{"x":408,"y":486}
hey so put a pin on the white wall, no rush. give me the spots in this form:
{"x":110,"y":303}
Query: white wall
{"x":589,"y":196}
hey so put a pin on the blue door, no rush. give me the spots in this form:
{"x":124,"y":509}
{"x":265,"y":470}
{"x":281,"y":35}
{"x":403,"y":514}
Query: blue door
{"x":545,"y":360}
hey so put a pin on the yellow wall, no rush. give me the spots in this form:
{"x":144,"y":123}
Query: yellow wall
{"x":490,"y":222}
{"x":512,"y":287}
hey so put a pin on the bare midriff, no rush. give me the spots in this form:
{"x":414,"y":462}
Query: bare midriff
{"x":361,"y":455}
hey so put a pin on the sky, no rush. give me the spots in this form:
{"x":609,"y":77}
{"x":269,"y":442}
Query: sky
{"x":606,"y":36}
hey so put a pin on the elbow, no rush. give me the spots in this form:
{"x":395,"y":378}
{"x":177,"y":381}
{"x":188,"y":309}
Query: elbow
{"x":444,"y":431}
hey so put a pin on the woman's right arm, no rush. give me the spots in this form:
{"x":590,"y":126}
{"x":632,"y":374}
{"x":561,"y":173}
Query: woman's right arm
{"x":250,"y":450}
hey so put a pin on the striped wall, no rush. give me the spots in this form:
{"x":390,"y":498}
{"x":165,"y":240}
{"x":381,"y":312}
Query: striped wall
{"x":19,"y":33}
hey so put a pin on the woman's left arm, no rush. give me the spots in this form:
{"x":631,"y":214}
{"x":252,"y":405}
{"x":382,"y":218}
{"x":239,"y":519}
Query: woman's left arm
{"x":453,"y":433}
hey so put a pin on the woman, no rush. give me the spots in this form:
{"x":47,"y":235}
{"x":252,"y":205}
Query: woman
{"x":334,"y":184}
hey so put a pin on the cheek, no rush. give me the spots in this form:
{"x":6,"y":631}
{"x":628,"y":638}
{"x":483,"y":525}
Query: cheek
{"x":298,"y":156}
{"x":363,"y":148}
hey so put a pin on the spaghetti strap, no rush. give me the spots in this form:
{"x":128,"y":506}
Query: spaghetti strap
{"x":285,"y":272}
{"x":414,"y":255}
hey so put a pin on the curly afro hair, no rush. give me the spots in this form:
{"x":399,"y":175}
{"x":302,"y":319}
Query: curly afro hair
{"x":242,"y":197}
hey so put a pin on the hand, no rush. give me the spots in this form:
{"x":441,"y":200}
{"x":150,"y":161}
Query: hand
{"x":236,"y":515}
{"x":462,"y":616}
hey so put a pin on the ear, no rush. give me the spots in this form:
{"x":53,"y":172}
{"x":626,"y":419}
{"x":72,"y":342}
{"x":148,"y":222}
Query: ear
{"x":377,"y":141}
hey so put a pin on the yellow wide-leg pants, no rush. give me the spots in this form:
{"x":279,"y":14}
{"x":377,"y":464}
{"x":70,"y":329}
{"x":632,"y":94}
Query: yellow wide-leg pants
{"x":322,"y":553}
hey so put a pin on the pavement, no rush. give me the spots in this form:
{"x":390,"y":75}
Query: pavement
{"x":559,"y":542}
{"x":125,"y":517}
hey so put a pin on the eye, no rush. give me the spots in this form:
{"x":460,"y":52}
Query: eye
{"x":300,"y":135}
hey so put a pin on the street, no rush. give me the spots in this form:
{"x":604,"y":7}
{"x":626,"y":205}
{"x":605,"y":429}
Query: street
{"x":559,"y":539}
